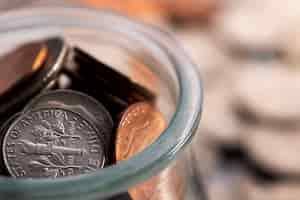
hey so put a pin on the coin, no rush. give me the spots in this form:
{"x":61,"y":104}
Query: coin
{"x":169,"y":183}
{"x":220,"y":125}
{"x":275,"y":150}
{"x":268,"y":92}
{"x":52,"y":142}
{"x":243,"y":28}
{"x":84,"y":104}
{"x":4,"y":128}
{"x":40,"y":63}
{"x":83,"y":65}
{"x":252,"y":189}
{"x":140,"y":125}
{"x":209,"y":58}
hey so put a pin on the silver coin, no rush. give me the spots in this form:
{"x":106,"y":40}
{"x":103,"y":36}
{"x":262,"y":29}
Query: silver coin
{"x":80,"y":102}
{"x":252,"y":189}
{"x":275,"y":150}
{"x":3,"y":129}
{"x":52,"y":142}
{"x":268,"y":91}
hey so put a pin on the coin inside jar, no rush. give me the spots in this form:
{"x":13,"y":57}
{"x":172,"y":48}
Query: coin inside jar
{"x":77,"y":101}
{"x":140,"y":125}
{"x":3,"y":130}
{"x":27,"y":70}
{"x":52,"y":142}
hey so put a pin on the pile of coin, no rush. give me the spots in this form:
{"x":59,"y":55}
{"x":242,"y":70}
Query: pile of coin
{"x":52,"y":129}
{"x":247,"y":146}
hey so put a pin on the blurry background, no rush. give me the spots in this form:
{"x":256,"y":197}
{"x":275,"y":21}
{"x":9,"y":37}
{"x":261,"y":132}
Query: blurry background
{"x":247,"y":52}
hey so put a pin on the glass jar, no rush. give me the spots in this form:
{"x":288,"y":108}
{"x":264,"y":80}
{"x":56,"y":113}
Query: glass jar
{"x":147,"y":55}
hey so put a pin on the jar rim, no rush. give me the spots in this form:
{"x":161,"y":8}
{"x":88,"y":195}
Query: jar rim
{"x":118,"y":177}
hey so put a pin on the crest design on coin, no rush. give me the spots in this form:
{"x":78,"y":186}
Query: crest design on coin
{"x":52,"y":142}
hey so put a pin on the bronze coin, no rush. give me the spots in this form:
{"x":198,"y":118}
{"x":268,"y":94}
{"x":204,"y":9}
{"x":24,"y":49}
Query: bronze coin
{"x":169,"y":183}
{"x":140,"y":125}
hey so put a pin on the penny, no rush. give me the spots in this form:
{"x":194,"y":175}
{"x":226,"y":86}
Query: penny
{"x":168,"y":183}
{"x":28,"y":70}
{"x":77,"y":101}
{"x":86,"y":67}
{"x":52,"y":142}
{"x":140,"y":125}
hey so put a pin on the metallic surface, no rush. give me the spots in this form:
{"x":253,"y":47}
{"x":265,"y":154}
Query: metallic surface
{"x":140,"y":125}
{"x":52,"y":143}
{"x":32,"y":84}
{"x":82,"y":103}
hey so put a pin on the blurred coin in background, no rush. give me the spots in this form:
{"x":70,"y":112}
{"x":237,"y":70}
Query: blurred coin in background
{"x":211,"y":61}
{"x":255,"y":190}
{"x":276,"y":150}
{"x":253,"y":26}
{"x":219,"y":123}
{"x":268,"y":91}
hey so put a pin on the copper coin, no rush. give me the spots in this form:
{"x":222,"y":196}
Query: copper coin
{"x":140,"y":125}
{"x":168,"y":183}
